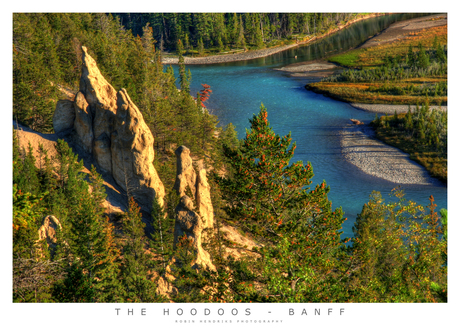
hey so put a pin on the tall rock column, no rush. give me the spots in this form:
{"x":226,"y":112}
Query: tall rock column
{"x":102,"y":100}
{"x":133,"y":154}
{"x":203,"y":197}
{"x":186,"y":176}
{"x":190,"y":221}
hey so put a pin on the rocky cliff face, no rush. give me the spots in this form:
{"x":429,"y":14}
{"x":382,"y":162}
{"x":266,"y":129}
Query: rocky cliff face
{"x":108,"y":125}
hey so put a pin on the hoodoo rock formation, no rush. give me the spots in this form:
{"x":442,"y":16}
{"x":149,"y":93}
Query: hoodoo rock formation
{"x":108,"y":125}
{"x":132,"y":151}
{"x":192,"y":219}
{"x":186,"y":175}
{"x":203,"y":197}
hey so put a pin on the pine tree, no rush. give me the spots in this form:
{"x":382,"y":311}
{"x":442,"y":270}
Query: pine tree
{"x":162,"y":237}
{"x":440,"y":55}
{"x":200,"y":47}
{"x":264,"y":188}
{"x":235,"y":29}
{"x":89,"y":244}
{"x":422,"y":60}
{"x":410,"y":57}
{"x":408,"y":121}
{"x":28,"y":180}
{"x":304,"y":261}
{"x":241,"y":41}
{"x":229,"y":136}
{"x":259,"y":38}
{"x":183,"y":77}
{"x":135,"y":269}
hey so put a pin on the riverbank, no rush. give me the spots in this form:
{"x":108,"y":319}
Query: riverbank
{"x":388,"y":68}
{"x":390,"y":109}
{"x":362,"y":148}
{"x":253,"y":54}
{"x":360,"y":145}
{"x":374,"y":157}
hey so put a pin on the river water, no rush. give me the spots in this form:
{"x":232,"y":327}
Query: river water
{"x":239,"y":88}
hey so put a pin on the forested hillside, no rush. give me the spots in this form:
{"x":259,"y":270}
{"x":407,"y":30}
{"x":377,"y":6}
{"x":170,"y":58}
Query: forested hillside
{"x":47,"y":61}
{"x":398,"y":253}
{"x":224,"y":31}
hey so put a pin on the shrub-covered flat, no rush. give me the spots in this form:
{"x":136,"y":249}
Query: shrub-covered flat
{"x":406,"y":71}
{"x":404,"y":92}
{"x":422,"y":134}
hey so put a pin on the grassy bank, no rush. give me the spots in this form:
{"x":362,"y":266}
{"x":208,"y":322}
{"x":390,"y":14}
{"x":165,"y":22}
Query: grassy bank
{"x":407,"y":71}
{"x":404,"y":92}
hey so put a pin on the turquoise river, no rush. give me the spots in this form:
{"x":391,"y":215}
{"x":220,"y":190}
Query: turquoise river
{"x":314,"y":120}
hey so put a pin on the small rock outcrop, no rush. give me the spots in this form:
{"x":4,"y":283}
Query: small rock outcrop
{"x":357,"y":122}
{"x":194,"y":212}
{"x":48,"y":229}
{"x":109,"y":126}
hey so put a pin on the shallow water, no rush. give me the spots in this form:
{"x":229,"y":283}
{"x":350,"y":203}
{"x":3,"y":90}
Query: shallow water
{"x":314,"y":120}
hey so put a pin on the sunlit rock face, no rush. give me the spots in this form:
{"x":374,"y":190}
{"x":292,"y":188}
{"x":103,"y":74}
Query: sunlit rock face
{"x":109,"y":126}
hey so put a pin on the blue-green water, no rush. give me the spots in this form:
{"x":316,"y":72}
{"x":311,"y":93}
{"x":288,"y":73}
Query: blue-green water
{"x":314,"y":120}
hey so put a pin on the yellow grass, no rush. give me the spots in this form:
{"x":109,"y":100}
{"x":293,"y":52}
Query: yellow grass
{"x":374,"y":56}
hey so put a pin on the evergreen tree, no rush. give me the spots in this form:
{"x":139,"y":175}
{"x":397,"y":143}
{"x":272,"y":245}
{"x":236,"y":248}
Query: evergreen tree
{"x":200,"y":46}
{"x":163,"y":233}
{"x":241,"y":41}
{"x":259,"y":38}
{"x":89,"y":242}
{"x":183,"y":77}
{"x":264,"y":189}
{"x":75,"y":287}
{"x":235,"y":29}
{"x":396,"y":253}
{"x":422,"y":59}
{"x":410,"y":57}
{"x":135,"y":269}
{"x":440,"y":55}
{"x":28,"y":178}
{"x":220,"y":44}
{"x":229,"y":136}
{"x":408,"y":122}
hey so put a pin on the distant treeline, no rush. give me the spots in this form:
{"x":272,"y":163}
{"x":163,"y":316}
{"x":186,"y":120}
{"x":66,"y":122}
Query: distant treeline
{"x":222,"y":30}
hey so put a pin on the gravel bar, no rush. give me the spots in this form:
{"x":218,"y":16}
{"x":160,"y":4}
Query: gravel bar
{"x":228,"y":58}
{"x":378,"y":159}
{"x":390,"y":109}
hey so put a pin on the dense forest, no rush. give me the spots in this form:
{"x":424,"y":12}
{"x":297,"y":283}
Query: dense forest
{"x":221,"y":31}
{"x":398,"y":252}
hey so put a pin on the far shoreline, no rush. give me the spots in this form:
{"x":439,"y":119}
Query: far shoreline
{"x":260,"y":53}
